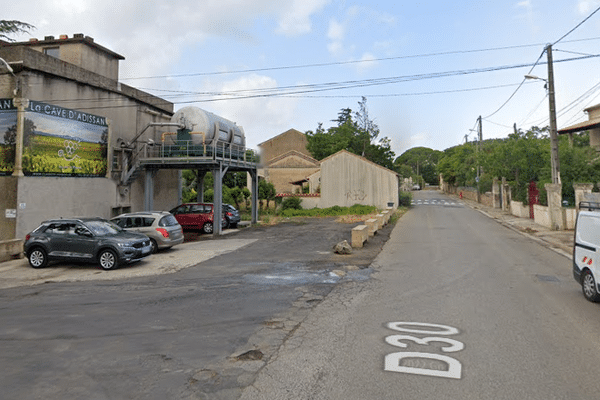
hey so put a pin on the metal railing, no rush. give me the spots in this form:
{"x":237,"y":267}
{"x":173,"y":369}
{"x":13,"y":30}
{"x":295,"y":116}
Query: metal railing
{"x":188,"y":149}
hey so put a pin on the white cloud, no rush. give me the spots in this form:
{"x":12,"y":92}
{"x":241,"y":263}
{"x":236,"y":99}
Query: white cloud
{"x":336,"y":31}
{"x":335,"y":34}
{"x":527,"y":14}
{"x":260,"y":117}
{"x":295,"y":19}
{"x":367,"y":62}
{"x":587,"y":6}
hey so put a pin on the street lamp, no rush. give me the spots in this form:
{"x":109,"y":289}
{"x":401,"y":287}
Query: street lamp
{"x":555,"y":165}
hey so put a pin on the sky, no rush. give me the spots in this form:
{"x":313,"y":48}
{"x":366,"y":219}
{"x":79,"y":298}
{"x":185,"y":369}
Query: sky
{"x":428,"y":69}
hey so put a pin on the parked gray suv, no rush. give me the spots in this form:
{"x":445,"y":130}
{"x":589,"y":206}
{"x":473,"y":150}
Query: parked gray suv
{"x":93,"y":240}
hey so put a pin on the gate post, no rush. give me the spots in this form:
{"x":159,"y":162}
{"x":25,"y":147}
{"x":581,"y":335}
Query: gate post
{"x":496,"y":193}
{"x":581,"y":189}
{"x":555,"y":210}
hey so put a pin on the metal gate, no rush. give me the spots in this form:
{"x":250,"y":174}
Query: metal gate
{"x":534,"y":197}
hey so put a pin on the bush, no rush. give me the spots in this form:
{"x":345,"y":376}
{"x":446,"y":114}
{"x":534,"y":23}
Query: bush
{"x":404,"y":199}
{"x":334,"y":211}
{"x":291,"y":203}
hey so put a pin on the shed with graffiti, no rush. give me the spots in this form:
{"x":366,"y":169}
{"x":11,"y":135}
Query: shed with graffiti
{"x":348,"y":179}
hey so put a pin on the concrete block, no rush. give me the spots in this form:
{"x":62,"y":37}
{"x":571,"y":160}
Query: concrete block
{"x":360,"y":234}
{"x":10,"y":249}
{"x":380,"y":220}
{"x":373,"y":226}
{"x":386,"y":216}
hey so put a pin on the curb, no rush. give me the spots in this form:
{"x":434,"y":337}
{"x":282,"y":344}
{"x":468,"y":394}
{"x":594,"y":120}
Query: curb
{"x":546,"y":243}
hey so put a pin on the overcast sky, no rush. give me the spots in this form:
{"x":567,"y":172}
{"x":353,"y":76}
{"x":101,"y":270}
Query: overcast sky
{"x":427,"y":68}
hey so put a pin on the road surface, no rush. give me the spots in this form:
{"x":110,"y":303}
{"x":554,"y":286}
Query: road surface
{"x":459,"y":307}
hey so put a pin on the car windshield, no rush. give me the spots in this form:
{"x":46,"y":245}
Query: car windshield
{"x":102,"y":228}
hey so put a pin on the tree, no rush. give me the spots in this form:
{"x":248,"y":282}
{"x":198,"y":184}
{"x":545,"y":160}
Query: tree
{"x":28,"y":131}
{"x":422,"y":161}
{"x":458,"y":165}
{"x":10,"y":136}
{"x":237,"y":196}
{"x":266,"y":191}
{"x":356,"y":133}
{"x":13,"y":27}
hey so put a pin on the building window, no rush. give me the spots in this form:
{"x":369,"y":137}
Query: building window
{"x":52,"y":51}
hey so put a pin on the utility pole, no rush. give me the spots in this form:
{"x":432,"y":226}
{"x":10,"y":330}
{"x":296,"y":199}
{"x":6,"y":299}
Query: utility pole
{"x":555,"y":167}
{"x":479,"y":139}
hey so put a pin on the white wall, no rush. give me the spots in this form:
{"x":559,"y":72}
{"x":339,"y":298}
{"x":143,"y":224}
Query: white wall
{"x":347,"y":179}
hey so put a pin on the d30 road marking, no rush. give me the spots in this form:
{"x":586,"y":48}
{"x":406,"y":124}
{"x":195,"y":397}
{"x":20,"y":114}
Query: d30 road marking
{"x":397,"y":362}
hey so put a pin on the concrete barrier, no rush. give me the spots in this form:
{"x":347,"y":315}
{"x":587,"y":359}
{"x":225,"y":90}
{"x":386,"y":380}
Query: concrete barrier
{"x":380,"y":220}
{"x":386,"y":216}
{"x":360,"y":234}
{"x":373,"y":226}
{"x":11,"y":249}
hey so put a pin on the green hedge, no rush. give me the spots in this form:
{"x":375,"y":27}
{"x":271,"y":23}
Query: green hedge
{"x":335,"y":211}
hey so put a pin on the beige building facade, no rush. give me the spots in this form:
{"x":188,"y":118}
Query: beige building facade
{"x":348,"y":179}
{"x":286,"y":162}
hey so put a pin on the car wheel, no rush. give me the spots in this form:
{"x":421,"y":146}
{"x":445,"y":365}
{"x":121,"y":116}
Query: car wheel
{"x":154,"y":246}
{"x":37,"y":258}
{"x":207,"y":227}
{"x":588,"y":285}
{"x":233,"y":226}
{"x":226,"y":224}
{"x":107,"y":260}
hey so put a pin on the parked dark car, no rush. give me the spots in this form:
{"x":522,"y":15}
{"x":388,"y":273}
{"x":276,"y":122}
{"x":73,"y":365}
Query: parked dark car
{"x":232,"y":215}
{"x":93,"y":240}
{"x":197,"y":216}
{"x":160,"y":226}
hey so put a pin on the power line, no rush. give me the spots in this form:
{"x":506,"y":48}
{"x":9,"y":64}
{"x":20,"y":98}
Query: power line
{"x":577,"y":26}
{"x":517,"y":89}
{"x":347,"y":62}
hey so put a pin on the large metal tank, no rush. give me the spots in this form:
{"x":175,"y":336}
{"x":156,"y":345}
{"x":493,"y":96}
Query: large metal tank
{"x":208,"y":127}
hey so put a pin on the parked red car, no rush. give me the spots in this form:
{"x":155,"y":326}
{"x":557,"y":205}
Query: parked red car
{"x":198,"y":216}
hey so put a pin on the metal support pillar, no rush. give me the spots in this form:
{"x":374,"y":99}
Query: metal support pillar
{"x":201,"y":174}
{"x":217,"y":201}
{"x":149,"y":190}
{"x":179,"y":186}
{"x":254,"y":201}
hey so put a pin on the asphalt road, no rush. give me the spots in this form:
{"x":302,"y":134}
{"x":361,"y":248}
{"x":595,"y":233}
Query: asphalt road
{"x":459,"y":307}
{"x":201,"y":332}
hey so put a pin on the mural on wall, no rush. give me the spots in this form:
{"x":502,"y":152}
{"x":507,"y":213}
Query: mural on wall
{"x":8,"y":136}
{"x":62,"y":142}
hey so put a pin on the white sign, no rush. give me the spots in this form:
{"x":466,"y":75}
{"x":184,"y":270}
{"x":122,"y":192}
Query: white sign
{"x":10,"y":213}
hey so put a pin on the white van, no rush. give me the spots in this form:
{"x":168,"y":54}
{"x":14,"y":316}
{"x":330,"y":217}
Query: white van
{"x":586,"y":249}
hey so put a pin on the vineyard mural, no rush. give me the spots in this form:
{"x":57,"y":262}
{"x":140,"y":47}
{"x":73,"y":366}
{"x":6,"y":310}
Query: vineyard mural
{"x":8,"y":136}
{"x":63,"y":142}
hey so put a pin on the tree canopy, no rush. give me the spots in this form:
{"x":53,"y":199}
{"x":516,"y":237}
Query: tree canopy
{"x":356,"y":133}
{"x":11,"y":27}
{"x":419,"y":161}
{"x":522,"y":157}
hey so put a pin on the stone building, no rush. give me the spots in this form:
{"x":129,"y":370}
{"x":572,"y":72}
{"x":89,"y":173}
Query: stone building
{"x":286,"y":161}
{"x":67,"y":125}
{"x":342,"y":179}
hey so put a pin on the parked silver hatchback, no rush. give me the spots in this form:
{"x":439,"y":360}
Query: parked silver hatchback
{"x":160,"y":226}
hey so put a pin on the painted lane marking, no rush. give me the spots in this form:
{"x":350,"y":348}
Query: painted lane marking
{"x":423,"y":363}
